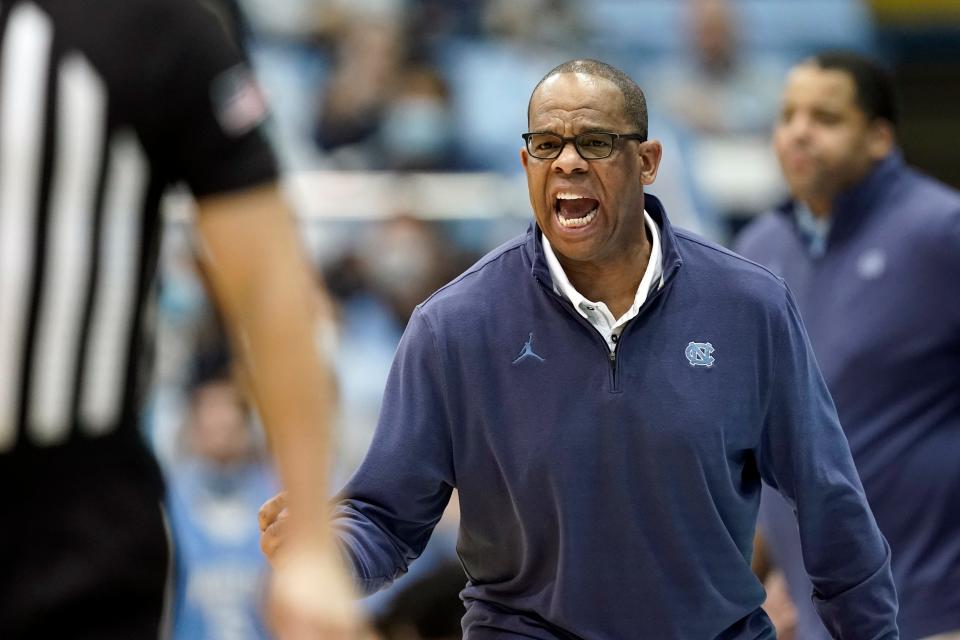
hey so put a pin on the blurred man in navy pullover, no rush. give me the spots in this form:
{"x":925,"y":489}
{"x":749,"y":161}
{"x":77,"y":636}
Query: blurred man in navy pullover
{"x":871,"y":249}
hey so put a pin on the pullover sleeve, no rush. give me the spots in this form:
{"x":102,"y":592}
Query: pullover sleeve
{"x":951,"y":269}
{"x":387,"y":511}
{"x":804,"y":454}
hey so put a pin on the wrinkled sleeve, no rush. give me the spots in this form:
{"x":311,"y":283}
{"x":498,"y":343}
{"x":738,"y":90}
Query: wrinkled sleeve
{"x":951,"y":270}
{"x":804,"y":455}
{"x":386,"y":512}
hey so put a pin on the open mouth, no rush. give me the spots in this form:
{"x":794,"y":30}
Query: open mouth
{"x":574,"y":211}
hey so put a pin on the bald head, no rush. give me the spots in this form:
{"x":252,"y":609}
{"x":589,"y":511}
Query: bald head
{"x":635,"y":104}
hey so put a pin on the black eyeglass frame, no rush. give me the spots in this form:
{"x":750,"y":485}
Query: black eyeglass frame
{"x":565,"y":139}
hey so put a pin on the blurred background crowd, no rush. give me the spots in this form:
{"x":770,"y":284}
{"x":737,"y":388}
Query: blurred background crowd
{"x":398,"y":124}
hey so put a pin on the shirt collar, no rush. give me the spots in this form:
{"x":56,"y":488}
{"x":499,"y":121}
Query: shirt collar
{"x":814,"y":230}
{"x":652,"y":276}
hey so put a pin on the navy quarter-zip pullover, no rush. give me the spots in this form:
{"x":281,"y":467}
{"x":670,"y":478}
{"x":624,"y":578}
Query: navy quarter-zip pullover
{"x":882,"y":307}
{"x":614,"y":497}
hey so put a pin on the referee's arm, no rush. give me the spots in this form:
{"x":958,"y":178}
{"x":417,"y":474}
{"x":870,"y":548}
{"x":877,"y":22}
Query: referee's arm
{"x":255,"y":267}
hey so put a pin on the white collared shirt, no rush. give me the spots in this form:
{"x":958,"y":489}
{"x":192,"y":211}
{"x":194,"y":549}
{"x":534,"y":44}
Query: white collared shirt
{"x":597,"y":313}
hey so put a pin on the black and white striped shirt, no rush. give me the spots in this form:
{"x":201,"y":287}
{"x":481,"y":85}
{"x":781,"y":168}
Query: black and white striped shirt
{"x":103,"y":104}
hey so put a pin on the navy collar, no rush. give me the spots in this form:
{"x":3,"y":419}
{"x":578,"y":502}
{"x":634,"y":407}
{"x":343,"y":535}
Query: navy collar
{"x":668,"y":244}
{"x":854,"y":205}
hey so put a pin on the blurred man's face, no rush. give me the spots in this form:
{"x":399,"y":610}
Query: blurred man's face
{"x":823,"y":140}
{"x":591,"y":211}
{"x":713,"y":33}
{"x":218,"y":424}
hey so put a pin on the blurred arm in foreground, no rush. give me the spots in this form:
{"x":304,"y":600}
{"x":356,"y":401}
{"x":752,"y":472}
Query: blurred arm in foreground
{"x":256,"y":269}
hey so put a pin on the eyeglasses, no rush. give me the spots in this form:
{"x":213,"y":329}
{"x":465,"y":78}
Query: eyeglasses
{"x":594,"y":145}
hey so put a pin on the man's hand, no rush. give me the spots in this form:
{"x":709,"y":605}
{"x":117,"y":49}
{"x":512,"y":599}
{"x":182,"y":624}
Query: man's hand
{"x":779,"y":606}
{"x":310,"y":594}
{"x":273,"y":516}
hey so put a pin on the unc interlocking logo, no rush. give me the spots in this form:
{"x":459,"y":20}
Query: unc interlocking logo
{"x":698,"y":354}
{"x":527,"y":351}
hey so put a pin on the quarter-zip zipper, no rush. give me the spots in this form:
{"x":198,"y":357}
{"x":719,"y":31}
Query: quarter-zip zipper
{"x":573,"y":312}
{"x":611,"y":354}
{"x":614,"y":382}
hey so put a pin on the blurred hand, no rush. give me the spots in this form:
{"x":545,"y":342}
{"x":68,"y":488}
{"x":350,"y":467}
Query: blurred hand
{"x":273,"y":516}
{"x":310,"y":597}
{"x":779,"y":606}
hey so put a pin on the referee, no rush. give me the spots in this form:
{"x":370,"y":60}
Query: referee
{"x":103,"y":105}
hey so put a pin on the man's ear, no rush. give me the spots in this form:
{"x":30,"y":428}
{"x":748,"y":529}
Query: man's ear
{"x":651,"y":153}
{"x":524,"y":157}
{"x":881,"y":138}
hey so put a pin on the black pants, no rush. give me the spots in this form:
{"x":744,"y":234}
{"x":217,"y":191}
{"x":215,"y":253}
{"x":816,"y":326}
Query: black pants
{"x":83,"y":545}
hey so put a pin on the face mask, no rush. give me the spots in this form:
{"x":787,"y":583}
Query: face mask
{"x":415,"y":129}
{"x":400,"y":268}
{"x":182,"y":298}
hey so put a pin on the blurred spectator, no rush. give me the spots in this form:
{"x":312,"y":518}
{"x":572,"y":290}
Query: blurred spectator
{"x":184,"y":316}
{"x":543,"y":23}
{"x":869,"y":247}
{"x":404,"y":260}
{"x":675,"y":184}
{"x":718,"y":88}
{"x":367,"y":59}
{"x":435,"y":22}
{"x":216,"y":485}
{"x":385,"y":106}
{"x":725,"y":97}
{"x":395,"y":265}
{"x":417,"y":129}
{"x":490,"y":77}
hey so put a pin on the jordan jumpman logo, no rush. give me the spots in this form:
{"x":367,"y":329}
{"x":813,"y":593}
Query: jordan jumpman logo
{"x":527,"y":351}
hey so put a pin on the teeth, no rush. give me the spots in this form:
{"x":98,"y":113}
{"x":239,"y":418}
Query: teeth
{"x":572,"y":223}
{"x":568,"y":196}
